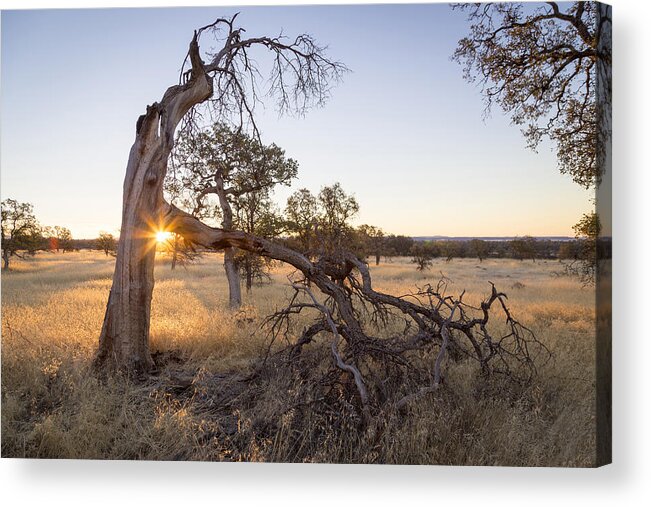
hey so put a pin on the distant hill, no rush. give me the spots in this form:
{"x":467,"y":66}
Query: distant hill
{"x":488,"y":238}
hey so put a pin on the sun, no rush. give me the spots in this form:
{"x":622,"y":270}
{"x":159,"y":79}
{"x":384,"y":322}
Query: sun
{"x":162,"y":236}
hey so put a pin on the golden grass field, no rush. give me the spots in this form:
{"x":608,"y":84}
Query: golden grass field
{"x":54,"y":407}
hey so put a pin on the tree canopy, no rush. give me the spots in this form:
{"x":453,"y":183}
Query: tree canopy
{"x":106,"y":242}
{"x":220,"y":159}
{"x":240,"y":173}
{"x":586,"y":253}
{"x":20,"y":229}
{"x":548,"y":67}
{"x":321,"y":223}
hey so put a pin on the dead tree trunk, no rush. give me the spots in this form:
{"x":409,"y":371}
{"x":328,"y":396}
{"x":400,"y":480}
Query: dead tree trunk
{"x":300,"y":77}
{"x":434,"y":317}
{"x":124,"y":340}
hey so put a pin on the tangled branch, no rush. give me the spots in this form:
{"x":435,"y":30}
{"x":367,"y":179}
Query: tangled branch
{"x":436,"y":326}
{"x":549,"y":67}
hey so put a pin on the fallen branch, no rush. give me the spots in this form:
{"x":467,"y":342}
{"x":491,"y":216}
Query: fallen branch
{"x":357,"y":315}
{"x":339,"y":362}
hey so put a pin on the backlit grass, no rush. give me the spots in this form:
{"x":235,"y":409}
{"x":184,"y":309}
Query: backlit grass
{"x":53,"y":406}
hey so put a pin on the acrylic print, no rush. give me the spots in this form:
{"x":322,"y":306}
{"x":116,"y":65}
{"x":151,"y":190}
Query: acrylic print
{"x":319,"y":234}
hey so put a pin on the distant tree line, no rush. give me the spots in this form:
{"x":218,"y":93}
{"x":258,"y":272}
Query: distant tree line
{"x":23,"y":235}
{"x":520,"y":248}
{"x":317,"y":225}
{"x":582,"y":248}
{"x":372,"y":244}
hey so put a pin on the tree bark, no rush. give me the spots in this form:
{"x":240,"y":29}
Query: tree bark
{"x":124,"y":340}
{"x":230,"y":264}
{"x":5,"y":259}
{"x":175,"y":251}
{"x":249,"y":275}
{"x":233,"y":277}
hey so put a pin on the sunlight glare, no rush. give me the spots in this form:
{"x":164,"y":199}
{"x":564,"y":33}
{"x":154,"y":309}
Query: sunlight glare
{"x":162,"y":236}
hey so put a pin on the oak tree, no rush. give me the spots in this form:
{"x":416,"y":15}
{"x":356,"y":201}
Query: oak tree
{"x":106,"y":242}
{"x":479,"y":248}
{"x":523,"y":248}
{"x":373,"y":239}
{"x":549,"y":67}
{"x":321,"y":223}
{"x":398,"y":245}
{"x":60,"y":238}
{"x":336,"y":209}
{"x":450,"y":249}
{"x":585,"y":252}
{"x":21,"y":231}
{"x":302,"y":215}
{"x":179,"y":250}
{"x":239,"y":172}
{"x":256,"y":213}
{"x":422,"y":255}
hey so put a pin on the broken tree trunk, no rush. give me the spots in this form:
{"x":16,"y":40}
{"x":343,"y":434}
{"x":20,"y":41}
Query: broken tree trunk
{"x":299,"y":78}
{"x":124,"y":340}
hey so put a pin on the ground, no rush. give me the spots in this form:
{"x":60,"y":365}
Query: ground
{"x":201,"y":406}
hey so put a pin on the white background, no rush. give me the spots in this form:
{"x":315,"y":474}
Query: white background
{"x":626,"y":482}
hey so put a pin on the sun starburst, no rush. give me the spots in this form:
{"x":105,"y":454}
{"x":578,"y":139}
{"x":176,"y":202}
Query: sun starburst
{"x":162,"y":236}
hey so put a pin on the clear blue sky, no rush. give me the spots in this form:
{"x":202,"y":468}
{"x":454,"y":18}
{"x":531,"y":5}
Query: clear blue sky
{"x":404,"y":132}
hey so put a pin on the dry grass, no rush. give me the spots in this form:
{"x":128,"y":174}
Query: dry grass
{"x":52,"y":309}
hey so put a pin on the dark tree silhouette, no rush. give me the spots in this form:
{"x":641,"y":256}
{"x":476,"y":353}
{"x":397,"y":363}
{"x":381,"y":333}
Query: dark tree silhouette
{"x":107,"y":243}
{"x":523,"y":248}
{"x":549,"y":67}
{"x":450,"y":249}
{"x":256,"y":214}
{"x":398,"y":245}
{"x":583,"y":259}
{"x":479,"y":248}
{"x":20,"y":230}
{"x":302,"y":214}
{"x":373,"y":241}
{"x":422,"y":255}
{"x":63,"y":238}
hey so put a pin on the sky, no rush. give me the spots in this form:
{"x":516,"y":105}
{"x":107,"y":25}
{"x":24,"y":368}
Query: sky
{"x":403,"y":132}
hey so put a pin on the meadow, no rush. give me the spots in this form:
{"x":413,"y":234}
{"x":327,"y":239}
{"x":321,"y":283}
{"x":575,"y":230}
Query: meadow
{"x":53,"y":406}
